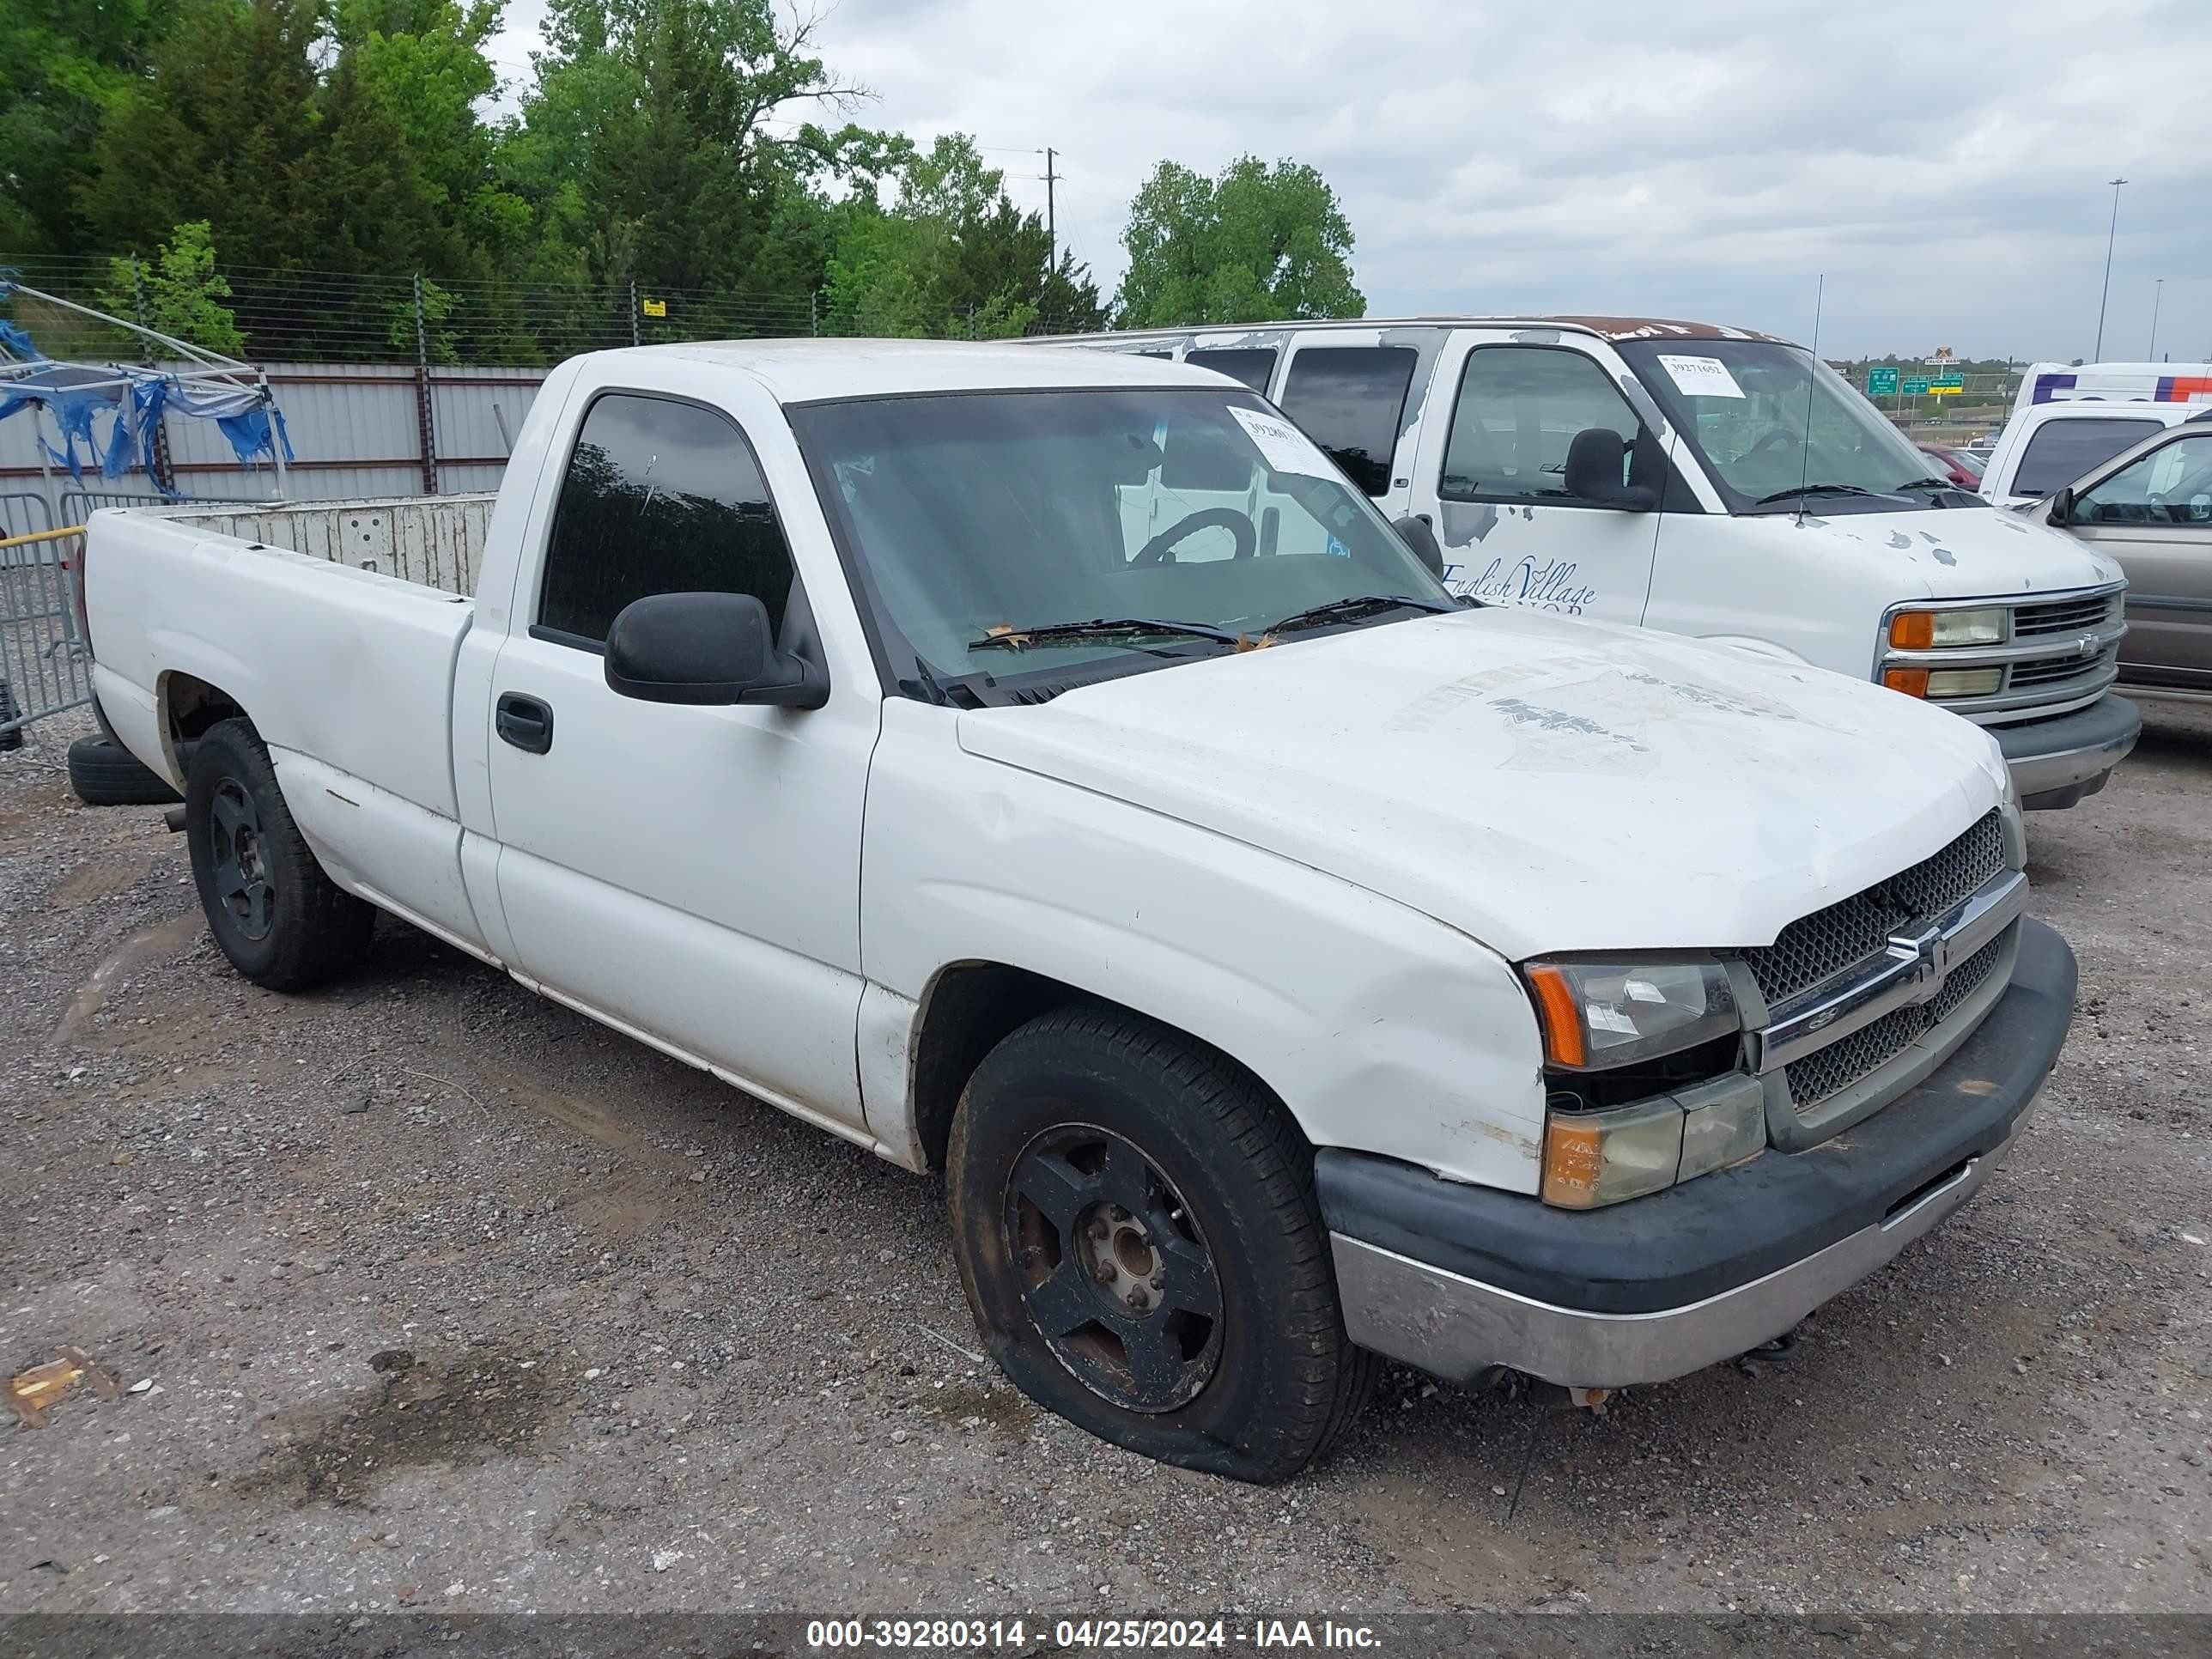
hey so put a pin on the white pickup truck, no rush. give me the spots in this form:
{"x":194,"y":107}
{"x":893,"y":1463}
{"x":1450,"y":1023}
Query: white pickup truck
{"x":1284,"y":963}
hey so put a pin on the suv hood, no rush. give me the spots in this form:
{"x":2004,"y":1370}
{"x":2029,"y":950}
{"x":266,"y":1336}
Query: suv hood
{"x":1541,"y":784}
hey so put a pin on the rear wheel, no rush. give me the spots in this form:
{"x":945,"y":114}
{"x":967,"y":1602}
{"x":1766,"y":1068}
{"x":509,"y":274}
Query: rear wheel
{"x":1142,"y":1249}
{"x":281,"y":920}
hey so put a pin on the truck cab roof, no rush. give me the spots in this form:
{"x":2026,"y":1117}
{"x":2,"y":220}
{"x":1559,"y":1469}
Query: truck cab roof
{"x":823,"y":371}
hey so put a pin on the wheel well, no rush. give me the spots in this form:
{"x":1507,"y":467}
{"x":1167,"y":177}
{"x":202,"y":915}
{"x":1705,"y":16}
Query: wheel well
{"x":969,"y":1009}
{"x":192,"y":706}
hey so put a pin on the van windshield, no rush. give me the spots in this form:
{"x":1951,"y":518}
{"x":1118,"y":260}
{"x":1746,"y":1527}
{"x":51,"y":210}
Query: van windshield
{"x":1743,"y":406}
{"x":1008,"y":545}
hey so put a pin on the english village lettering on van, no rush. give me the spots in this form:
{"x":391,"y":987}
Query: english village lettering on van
{"x":1549,"y":586}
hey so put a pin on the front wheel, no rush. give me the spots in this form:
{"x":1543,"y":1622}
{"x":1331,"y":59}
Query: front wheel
{"x":1142,"y":1249}
{"x":282,"y":922}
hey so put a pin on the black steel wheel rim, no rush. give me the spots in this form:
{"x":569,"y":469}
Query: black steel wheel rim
{"x":1115,"y":1273}
{"x":237,"y":854}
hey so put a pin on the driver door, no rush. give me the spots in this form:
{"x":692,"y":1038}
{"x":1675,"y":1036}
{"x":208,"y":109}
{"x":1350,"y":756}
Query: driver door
{"x":1491,"y":475}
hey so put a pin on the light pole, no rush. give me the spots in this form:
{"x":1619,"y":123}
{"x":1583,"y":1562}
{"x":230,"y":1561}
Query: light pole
{"x":2157,"y":294}
{"x":2109,"y":235}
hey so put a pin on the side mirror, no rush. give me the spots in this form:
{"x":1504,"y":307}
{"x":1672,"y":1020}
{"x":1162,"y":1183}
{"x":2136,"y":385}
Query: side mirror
{"x":2062,"y":507}
{"x":1421,"y":536}
{"x":1595,"y":462}
{"x":714,"y":649}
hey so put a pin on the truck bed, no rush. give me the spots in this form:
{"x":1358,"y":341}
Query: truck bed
{"x":346,"y":669}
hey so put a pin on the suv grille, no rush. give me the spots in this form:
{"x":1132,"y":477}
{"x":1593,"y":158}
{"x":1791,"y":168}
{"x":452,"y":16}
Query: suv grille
{"x":2065,"y":615}
{"x":1833,"y":1069}
{"x":1812,"y":948}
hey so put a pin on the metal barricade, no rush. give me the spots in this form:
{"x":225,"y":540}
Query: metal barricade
{"x":24,"y":513}
{"x":46,"y":663}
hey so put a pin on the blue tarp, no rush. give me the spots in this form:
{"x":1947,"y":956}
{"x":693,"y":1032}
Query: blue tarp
{"x":134,"y":399}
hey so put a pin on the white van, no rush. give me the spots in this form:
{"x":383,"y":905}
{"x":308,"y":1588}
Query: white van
{"x":2068,"y":419}
{"x":1706,"y":481}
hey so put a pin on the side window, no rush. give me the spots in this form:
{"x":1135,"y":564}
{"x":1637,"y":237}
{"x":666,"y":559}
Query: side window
{"x":659,"y":497}
{"x":1253,"y":365}
{"x":1518,"y":411}
{"x":1348,"y":400}
{"x":2062,"y":449}
{"x":2171,"y":485}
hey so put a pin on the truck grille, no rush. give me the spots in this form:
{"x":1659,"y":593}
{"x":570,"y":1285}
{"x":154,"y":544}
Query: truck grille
{"x":2050,"y":671}
{"x":2066,"y":616}
{"x":1819,"y":1077}
{"x":1815,"y":947}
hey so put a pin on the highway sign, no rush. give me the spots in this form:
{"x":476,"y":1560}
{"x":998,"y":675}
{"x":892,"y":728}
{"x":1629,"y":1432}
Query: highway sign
{"x":1915,"y":386}
{"x":1881,"y":382}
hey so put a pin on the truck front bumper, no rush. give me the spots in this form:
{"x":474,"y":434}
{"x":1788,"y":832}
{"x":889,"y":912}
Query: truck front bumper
{"x":1456,"y":1279}
{"x":2055,"y":762}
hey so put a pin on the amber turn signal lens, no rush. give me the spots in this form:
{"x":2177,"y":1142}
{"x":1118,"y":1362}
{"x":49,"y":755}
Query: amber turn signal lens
{"x":1562,"y":1019}
{"x":1912,"y":630}
{"x":1913,"y":681}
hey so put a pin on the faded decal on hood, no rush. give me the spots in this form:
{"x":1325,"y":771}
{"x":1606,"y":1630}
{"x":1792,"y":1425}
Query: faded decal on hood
{"x":1584,"y":714}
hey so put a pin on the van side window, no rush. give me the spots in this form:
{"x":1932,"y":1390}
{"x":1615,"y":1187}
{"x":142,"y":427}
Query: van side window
{"x":659,"y":497}
{"x":2062,"y":449}
{"x":1348,"y":400}
{"x":1518,"y":411}
{"x":1253,"y":365}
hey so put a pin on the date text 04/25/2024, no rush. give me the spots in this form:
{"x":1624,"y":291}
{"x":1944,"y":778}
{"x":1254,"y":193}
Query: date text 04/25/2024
{"x":830,"y":1635}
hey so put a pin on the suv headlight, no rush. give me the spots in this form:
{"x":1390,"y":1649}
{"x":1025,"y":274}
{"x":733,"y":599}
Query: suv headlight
{"x":1632,"y":1108}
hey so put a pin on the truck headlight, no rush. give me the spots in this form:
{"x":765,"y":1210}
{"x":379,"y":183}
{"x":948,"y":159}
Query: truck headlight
{"x":1600,"y":1014}
{"x":1632,"y":1111}
{"x":1932,"y":630}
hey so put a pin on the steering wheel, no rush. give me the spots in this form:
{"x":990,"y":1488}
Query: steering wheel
{"x":1768,"y":440}
{"x":1156,"y":551}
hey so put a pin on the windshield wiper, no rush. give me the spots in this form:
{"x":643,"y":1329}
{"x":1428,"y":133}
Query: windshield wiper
{"x":1102,"y":627}
{"x":1358,"y":606}
{"x":1814,"y":489}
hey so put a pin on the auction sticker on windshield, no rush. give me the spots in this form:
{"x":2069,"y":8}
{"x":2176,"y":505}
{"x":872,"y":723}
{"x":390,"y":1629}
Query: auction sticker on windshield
{"x":1281,"y":445}
{"x":1701,"y":377}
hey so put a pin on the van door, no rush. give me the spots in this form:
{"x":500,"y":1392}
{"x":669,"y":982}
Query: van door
{"x":1492,"y":475}
{"x":2155,"y":516}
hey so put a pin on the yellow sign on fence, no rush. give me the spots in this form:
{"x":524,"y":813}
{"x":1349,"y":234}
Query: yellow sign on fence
{"x":656,"y":307}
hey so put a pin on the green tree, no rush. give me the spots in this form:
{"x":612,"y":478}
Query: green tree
{"x":643,"y":147}
{"x":179,"y":292}
{"x":1258,"y":243}
{"x":64,"y":65}
{"x":953,"y":255}
{"x":221,"y":128}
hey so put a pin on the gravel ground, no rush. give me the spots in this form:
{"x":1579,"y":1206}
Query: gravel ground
{"x":445,"y":1297}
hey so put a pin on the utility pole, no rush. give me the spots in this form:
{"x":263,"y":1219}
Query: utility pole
{"x":1051,"y":225}
{"x":2157,"y":294}
{"x":2111,"y":235}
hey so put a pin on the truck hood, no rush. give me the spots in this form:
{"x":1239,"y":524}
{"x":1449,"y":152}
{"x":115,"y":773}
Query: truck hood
{"x":1537,"y":783}
{"x":1969,"y":552}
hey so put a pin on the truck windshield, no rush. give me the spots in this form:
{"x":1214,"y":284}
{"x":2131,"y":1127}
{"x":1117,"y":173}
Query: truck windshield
{"x":1007,"y":545}
{"x":1743,"y":405}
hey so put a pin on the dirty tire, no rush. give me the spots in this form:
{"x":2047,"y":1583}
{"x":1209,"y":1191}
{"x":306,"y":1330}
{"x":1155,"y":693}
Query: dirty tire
{"x":298,"y":928}
{"x":105,"y":773}
{"x":1270,"y":1381}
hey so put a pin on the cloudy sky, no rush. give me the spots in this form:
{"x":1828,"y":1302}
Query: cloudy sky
{"x":1945,"y":167}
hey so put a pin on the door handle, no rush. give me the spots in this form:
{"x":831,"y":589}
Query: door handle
{"x":525,"y":722}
